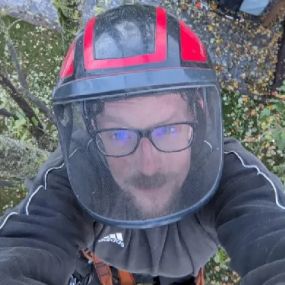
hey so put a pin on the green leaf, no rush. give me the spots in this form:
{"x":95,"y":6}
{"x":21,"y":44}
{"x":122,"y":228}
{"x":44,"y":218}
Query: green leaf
{"x":34,"y":121}
{"x":280,"y":107}
{"x":265,"y":113}
{"x":278,"y":135}
{"x":20,"y":123}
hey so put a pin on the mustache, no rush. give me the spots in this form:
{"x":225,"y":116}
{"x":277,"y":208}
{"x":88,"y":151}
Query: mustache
{"x":148,"y":182}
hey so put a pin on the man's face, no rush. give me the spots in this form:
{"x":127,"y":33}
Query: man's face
{"x":151,"y":179}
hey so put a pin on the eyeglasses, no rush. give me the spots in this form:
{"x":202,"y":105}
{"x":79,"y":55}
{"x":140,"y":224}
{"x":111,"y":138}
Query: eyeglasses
{"x":120,"y":142}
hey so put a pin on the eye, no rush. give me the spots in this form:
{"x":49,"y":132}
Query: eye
{"x":120,"y":135}
{"x":165,"y":130}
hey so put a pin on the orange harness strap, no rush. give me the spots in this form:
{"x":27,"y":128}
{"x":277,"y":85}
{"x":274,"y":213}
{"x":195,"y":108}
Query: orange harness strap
{"x":126,"y":278}
{"x":104,"y":272}
{"x":200,"y":280}
{"x":102,"y":269}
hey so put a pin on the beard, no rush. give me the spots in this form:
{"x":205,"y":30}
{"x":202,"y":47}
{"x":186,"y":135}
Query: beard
{"x":151,"y":196}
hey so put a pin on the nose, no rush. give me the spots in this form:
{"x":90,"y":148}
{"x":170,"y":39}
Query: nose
{"x":148,"y":157}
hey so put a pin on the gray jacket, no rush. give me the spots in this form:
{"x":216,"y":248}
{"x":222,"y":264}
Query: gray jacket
{"x":41,"y":239}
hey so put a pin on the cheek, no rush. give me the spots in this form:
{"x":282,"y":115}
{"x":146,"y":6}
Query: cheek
{"x":119,"y":167}
{"x":179,"y":163}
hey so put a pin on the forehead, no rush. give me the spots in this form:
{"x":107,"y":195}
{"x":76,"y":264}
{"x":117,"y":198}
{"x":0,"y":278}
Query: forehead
{"x":146,"y":110}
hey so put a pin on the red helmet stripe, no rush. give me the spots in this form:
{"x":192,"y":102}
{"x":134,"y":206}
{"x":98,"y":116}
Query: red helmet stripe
{"x":192,"y":48}
{"x":159,"y":54}
{"x":67,"y":67}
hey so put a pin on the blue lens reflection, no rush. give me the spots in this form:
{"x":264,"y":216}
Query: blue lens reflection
{"x":164,"y":131}
{"x":121,"y":135}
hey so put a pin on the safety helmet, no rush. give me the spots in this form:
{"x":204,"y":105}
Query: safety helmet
{"x":127,"y":53}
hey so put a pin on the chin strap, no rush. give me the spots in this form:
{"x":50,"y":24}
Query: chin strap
{"x":104,"y":272}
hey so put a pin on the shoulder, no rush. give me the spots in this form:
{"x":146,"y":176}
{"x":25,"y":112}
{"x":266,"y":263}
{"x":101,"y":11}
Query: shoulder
{"x":248,"y":211}
{"x":241,"y":163}
{"x":245,"y":185}
{"x":234,"y":148}
{"x":50,"y":183}
{"x":246,"y":180}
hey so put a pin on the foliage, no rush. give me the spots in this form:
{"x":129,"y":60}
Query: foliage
{"x":10,"y":198}
{"x":40,"y":54}
{"x":69,"y":18}
{"x":218,"y":272}
{"x":259,"y":122}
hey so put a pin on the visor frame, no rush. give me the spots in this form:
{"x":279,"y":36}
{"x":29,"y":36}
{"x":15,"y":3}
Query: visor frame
{"x":152,"y":222}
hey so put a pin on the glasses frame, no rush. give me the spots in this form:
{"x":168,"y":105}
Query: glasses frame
{"x":144,"y":133}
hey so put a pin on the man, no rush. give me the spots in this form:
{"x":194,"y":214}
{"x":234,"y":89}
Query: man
{"x":143,"y":179}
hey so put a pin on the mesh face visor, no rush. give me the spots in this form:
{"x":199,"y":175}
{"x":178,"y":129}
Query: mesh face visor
{"x":141,"y":161}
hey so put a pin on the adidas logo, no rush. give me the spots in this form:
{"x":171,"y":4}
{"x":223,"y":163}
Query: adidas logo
{"x":115,"y":238}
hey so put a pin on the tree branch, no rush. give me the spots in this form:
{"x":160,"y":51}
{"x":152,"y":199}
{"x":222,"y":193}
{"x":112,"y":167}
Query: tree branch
{"x":277,"y":10}
{"x":36,"y":127}
{"x":280,"y":66}
{"x":69,"y":16}
{"x":21,"y":75}
{"x":5,"y":113}
{"x":6,"y":183}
